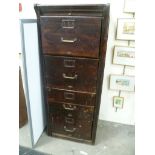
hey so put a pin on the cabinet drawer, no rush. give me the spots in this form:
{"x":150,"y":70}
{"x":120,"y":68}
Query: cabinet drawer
{"x":64,"y":96}
{"x":77,"y":74}
{"x":74,"y":122}
{"x":71,"y":36}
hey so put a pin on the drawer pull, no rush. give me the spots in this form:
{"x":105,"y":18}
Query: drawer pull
{"x":69,"y":96}
{"x":69,"y":107}
{"x":69,"y":130}
{"x":68,"y":41}
{"x":69,"y":77}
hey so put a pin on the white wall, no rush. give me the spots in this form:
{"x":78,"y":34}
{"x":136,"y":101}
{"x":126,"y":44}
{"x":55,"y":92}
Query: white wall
{"x":107,"y":112}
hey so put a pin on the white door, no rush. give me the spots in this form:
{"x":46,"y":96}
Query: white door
{"x":33,"y":85}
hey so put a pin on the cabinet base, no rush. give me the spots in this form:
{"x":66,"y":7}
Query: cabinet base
{"x":91,"y":142}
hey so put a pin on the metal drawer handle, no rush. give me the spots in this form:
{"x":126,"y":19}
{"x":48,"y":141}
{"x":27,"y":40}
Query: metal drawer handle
{"x":69,"y":130}
{"x":69,"y":96}
{"x":68,"y":27}
{"x":69,"y":77}
{"x":69,"y":107}
{"x":68,"y":41}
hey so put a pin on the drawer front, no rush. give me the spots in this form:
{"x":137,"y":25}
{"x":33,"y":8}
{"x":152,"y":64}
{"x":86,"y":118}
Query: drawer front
{"x":71,"y":120}
{"x":64,"y":96}
{"x":77,"y":74}
{"x":71,"y":36}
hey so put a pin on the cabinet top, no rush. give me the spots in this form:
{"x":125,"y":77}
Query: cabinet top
{"x":89,"y":9}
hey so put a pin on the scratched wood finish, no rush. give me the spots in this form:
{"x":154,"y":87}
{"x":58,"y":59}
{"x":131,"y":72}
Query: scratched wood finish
{"x":71,"y":73}
{"x":73,"y":123}
{"x":66,"y":96}
{"x":82,"y":39}
{"x":81,"y":59}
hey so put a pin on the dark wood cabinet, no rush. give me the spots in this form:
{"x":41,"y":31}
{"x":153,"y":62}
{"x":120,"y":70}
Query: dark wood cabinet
{"x":72,"y":41}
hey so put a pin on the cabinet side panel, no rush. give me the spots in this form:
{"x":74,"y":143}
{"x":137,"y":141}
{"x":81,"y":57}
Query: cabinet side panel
{"x":103,"y":47}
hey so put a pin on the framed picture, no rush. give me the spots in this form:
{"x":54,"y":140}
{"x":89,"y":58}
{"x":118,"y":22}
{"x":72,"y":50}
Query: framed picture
{"x":122,"y":82}
{"x":124,"y":56}
{"x":129,"y":6}
{"x":125,"y":29}
{"x":118,"y":102}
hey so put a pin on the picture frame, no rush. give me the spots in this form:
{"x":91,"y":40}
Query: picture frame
{"x":118,"y":102}
{"x":129,"y":6}
{"x":124,"y":55}
{"x":125,"y":29}
{"x":122,"y":82}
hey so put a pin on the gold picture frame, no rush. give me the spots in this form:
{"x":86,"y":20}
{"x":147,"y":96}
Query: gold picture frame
{"x":125,"y":29}
{"x":124,"y":55}
{"x":118,"y":102}
{"x":129,"y":6}
{"x":122,"y":82}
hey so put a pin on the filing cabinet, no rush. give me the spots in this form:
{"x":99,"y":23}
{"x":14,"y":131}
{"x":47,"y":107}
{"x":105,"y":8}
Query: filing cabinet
{"x":72,"y":42}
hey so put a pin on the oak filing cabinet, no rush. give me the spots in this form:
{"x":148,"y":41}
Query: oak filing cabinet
{"x":72,"y":42}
